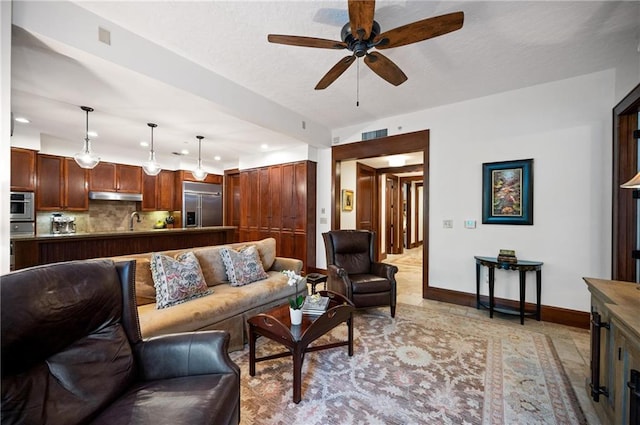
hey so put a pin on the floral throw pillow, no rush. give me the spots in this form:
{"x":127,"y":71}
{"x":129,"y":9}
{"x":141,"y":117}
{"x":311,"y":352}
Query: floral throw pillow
{"x":177,"y":280}
{"x":243,"y":266}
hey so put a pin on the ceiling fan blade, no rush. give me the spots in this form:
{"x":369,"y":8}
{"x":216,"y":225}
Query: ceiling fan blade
{"x":361,"y":18}
{"x":385,"y":68}
{"x":335,"y":72}
{"x":294,"y":40}
{"x":420,"y":30}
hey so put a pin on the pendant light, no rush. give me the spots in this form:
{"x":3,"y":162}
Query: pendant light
{"x":86,"y":158}
{"x":199,"y":174}
{"x":151,"y":167}
{"x":634,"y":183}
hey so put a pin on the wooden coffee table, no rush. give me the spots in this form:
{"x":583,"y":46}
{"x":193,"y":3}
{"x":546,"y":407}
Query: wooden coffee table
{"x":275,"y":324}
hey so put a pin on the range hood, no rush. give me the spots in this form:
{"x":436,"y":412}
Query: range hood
{"x":115,"y":196}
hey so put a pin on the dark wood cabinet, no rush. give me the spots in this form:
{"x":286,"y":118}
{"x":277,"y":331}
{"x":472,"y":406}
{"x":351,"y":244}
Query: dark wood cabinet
{"x":61,"y":184}
{"x":231,"y":199}
{"x":158,"y":191}
{"x":111,"y":177}
{"x":23,"y":170}
{"x":279,"y":201}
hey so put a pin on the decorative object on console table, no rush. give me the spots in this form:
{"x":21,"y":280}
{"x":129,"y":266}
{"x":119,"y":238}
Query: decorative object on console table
{"x":507,"y":256}
{"x":507,"y":192}
{"x":347,"y":200}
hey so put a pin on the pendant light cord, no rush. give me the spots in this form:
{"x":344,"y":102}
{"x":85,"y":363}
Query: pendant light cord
{"x":86,"y":135}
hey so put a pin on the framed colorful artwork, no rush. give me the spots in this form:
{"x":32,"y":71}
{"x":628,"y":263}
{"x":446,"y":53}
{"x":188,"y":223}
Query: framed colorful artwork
{"x":347,"y":200}
{"x":507,"y":192}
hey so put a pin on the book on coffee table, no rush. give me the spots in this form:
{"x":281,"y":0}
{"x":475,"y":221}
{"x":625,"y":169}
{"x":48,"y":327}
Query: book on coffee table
{"x":315,"y":304}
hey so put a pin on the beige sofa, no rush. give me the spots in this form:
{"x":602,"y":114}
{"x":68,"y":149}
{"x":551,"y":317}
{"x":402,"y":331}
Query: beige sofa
{"x":228,"y":307}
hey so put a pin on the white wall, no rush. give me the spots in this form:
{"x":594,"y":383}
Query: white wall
{"x":5,"y":128}
{"x":348,"y":181}
{"x":566,"y":127}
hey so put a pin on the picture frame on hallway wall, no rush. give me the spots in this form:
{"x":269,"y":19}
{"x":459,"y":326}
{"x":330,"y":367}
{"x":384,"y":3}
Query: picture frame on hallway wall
{"x":347,"y":200}
{"x":507,"y":192}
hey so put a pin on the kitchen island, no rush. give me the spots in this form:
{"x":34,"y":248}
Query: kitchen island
{"x":45,"y":249}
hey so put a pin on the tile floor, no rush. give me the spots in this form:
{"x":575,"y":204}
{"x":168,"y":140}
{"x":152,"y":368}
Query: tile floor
{"x":572,"y":344}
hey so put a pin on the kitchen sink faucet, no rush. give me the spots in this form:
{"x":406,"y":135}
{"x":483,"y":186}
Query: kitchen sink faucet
{"x":133,"y":214}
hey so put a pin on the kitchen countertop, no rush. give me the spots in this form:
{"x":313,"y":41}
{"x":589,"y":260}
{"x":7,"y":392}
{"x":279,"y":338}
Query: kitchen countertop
{"x":120,"y":233}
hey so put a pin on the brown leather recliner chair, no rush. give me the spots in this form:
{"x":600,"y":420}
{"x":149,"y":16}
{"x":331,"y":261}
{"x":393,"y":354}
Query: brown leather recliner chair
{"x":353,"y":271}
{"x":72,"y":354}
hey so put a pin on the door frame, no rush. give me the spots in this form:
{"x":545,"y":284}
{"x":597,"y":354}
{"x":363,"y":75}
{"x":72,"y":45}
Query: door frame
{"x":417,"y":141}
{"x":624,"y":214}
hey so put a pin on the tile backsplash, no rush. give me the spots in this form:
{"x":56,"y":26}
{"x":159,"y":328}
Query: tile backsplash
{"x":106,"y":216}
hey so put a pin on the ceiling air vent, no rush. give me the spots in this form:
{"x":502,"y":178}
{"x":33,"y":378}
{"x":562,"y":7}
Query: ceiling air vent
{"x":375,"y":134}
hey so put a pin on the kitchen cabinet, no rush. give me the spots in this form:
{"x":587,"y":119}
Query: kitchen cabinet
{"x":111,"y":177}
{"x":279,"y":201}
{"x":158,"y":191}
{"x":232,"y":209}
{"x":61,"y":184}
{"x":23,"y":170}
{"x":615,"y":348}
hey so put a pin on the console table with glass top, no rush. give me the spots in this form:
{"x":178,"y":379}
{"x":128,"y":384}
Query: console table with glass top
{"x":522,"y":267}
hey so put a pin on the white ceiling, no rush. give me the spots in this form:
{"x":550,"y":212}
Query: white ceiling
{"x":503,"y":45}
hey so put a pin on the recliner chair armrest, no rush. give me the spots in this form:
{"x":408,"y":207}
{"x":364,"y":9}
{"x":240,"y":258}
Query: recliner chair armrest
{"x":184,"y":354}
{"x":384,"y":270}
{"x":338,"y":280}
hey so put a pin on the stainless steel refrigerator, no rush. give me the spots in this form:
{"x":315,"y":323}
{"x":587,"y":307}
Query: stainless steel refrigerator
{"x":201,"y":204}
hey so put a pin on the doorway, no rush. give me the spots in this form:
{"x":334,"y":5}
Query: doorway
{"x":393,"y":145}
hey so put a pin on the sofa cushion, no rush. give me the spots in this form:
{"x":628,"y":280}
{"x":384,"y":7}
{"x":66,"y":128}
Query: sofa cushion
{"x":211,"y":264}
{"x":267,"y":250}
{"x":243,"y":266}
{"x":228,"y":301}
{"x":177,"y":280}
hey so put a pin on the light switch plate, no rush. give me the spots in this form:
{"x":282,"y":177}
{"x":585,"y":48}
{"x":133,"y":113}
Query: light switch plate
{"x":469,"y":224}
{"x":447,"y":224}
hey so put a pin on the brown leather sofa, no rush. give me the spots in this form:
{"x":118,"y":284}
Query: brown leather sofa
{"x":353,"y":271}
{"x":72,"y":353}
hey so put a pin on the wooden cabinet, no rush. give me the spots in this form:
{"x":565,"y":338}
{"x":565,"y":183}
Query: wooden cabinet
{"x":61,"y":184}
{"x":23,"y":170}
{"x":615,"y":348}
{"x":158,"y":191}
{"x":279,"y":201}
{"x":231,"y":199}
{"x":110,"y":177}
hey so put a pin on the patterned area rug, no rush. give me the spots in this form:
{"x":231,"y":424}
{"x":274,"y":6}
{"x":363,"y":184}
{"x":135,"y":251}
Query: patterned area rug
{"x":415,"y":369}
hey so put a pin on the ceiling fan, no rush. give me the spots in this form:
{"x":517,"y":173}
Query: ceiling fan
{"x":362,"y":33}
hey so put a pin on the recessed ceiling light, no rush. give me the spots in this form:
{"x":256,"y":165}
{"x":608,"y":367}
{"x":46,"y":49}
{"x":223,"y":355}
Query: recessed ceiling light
{"x":22,"y":120}
{"x":184,"y":152}
{"x":144,"y":144}
{"x":217,"y":157}
{"x":264,"y":146}
{"x":92,"y":133}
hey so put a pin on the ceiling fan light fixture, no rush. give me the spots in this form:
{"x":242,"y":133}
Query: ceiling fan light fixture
{"x":199,"y":174}
{"x":151,"y":167}
{"x":86,"y":158}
